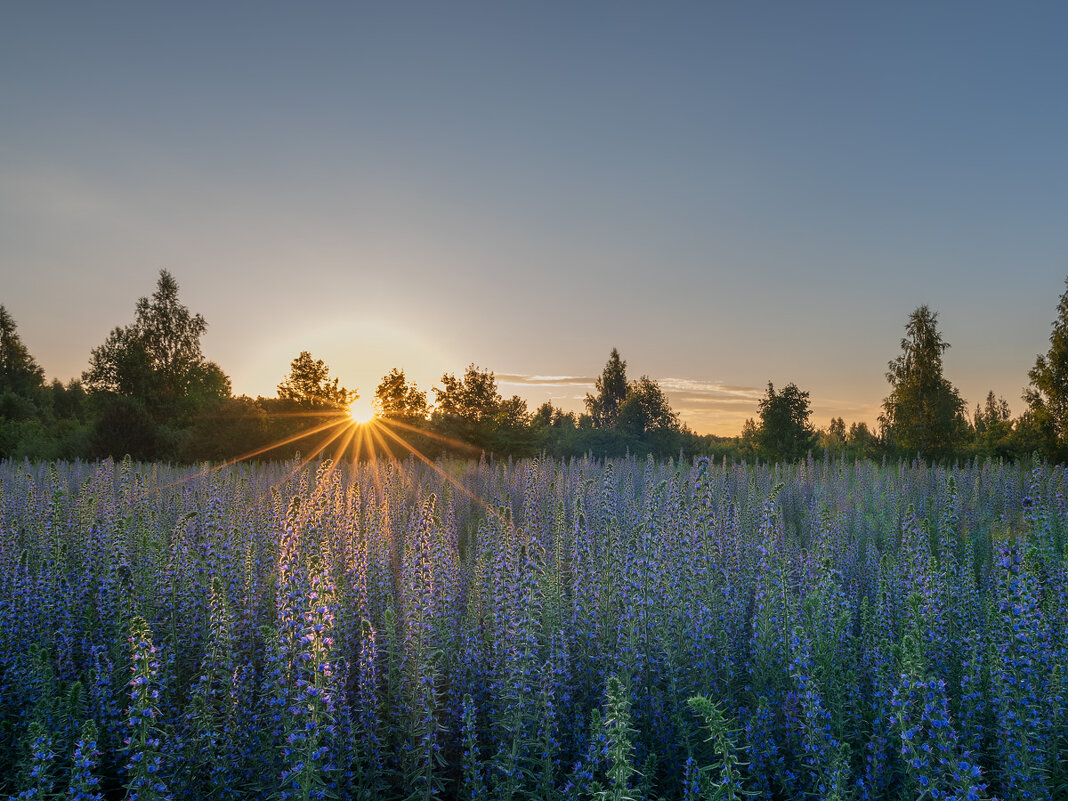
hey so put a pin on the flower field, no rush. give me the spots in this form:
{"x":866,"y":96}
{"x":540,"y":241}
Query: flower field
{"x":533,"y":630}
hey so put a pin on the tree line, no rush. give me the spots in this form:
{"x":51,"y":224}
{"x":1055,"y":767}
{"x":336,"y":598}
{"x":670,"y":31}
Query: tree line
{"x":149,"y":392}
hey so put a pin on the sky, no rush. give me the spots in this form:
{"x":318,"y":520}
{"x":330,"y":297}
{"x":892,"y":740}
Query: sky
{"x":729,"y":193}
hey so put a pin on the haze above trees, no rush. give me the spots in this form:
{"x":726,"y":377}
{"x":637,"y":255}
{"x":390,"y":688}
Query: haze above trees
{"x":149,"y":392}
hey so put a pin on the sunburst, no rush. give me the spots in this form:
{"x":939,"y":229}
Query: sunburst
{"x":361,"y":411}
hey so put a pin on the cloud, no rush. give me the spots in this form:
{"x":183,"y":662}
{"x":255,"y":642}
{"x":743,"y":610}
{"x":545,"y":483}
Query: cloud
{"x":520,"y":380}
{"x":709,"y":389}
{"x":704,"y":405}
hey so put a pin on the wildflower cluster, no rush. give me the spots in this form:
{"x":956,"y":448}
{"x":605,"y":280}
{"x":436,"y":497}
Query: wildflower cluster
{"x":562,"y":631}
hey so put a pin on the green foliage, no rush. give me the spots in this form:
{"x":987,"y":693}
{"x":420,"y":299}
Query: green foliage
{"x":396,"y":398}
{"x":646,"y":410}
{"x":785,"y":433}
{"x":153,"y":395}
{"x":152,"y":373}
{"x":619,"y":748}
{"x":473,"y":398}
{"x":39,"y":779}
{"x":19,"y":373}
{"x":212,"y":698}
{"x":157,"y":360}
{"x":1047,"y":393}
{"x":470,"y":408}
{"x":234,"y":428}
{"x":612,"y":389}
{"x":37,"y":421}
{"x":308,"y":385}
{"x":723,"y":780}
{"x":144,"y":745}
{"x":923,"y":412}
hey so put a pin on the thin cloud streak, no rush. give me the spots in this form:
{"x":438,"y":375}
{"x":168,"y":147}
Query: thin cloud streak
{"x":706,"y":406}
{"x":520,"y":380}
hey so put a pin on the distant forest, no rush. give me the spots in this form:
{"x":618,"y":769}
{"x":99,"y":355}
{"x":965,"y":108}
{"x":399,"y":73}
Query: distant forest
{"x":150,"y":393}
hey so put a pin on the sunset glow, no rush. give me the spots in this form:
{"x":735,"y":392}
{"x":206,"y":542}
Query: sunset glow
{"x":361,"y":411}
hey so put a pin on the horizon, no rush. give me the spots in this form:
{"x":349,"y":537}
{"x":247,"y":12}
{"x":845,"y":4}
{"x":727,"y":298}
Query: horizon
{"x":728,"y":197}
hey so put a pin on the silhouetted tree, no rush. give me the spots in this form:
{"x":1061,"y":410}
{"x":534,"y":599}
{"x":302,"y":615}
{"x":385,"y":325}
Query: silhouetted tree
{"x":157,"y":360}
{"x":861,"y":442}
{"x":309,"y":385}
{"x":611,"y":389}
{"x":547,"y":415}
{"x":832,"y":441}
{"x":154,"y":374}
{"x":19,"y":373}
{"x":543,"y":416}
{"x":474,"y":397}
{"x":785,"y":433}
{"x":646,"y":409}
{"x":1047,"y":394}
{"x":993,"y":428}
{"x":512,"y":413}
{"x":837,"y":429}
{"x":398,"y":399}
{"x":924,"y":412}
{"x":467,"y":408}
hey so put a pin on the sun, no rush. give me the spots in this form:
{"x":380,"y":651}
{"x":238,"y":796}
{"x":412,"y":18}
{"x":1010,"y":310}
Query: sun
{"x":361,"y":411}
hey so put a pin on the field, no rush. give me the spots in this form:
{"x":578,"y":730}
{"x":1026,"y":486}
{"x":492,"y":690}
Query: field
{"x":533,"y":630}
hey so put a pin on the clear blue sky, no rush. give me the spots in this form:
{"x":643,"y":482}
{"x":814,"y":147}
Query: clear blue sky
{"x":730,"y":193}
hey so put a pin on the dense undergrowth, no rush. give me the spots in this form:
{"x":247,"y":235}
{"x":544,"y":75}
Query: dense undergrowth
{"x":533,"y":630}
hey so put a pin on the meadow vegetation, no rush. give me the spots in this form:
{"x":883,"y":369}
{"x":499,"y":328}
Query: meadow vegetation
{"x":540,"y":629}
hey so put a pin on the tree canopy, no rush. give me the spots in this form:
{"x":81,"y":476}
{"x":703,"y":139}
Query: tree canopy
{"x":1047,"y":392}
{"x":923,"y":412}
{"x":474,"y":397}
{"x":646,"y":409}
{"x":309,"y":385}
{"x":19,"y":372}
{"x":150,"y":392}
{"x":785,"y":433}
{"x":156,"y":360}
{"x":398,"y":399}
{"x":612,"y":389}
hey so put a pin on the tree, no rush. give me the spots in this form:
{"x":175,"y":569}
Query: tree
{"x":1047,"y":393}
{"x":861,"y":442}
{"x":837,"y":429}
{"x":309,"y":385}
{"x":994,"y":412}
{"x":549,"y":416}
{"x":993,"y":428}
{"x":398,"y":399}
{"x":19,"y":373}
{"x":474,"y":397}
{"x":611,"y":389}
{"x":157,"y":360}
{"x":832,"y":441}
{"x":467,"y":409}
{"x":785,"y":433}
{"x":924,"y":412}
{"x":646,"y":409}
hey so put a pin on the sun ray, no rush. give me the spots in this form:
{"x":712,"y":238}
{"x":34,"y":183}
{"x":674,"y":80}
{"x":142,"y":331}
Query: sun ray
{"x":372,"y":465}
{"x":437,"y":469}
{"x":467,"y":446}
{"x":251,"y":454}
{"x":342,"y":448}
{"x":376,"y":438}
{"x":308,"y":459}
{"x":358,"y":445}
{"x":321,"y":413}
